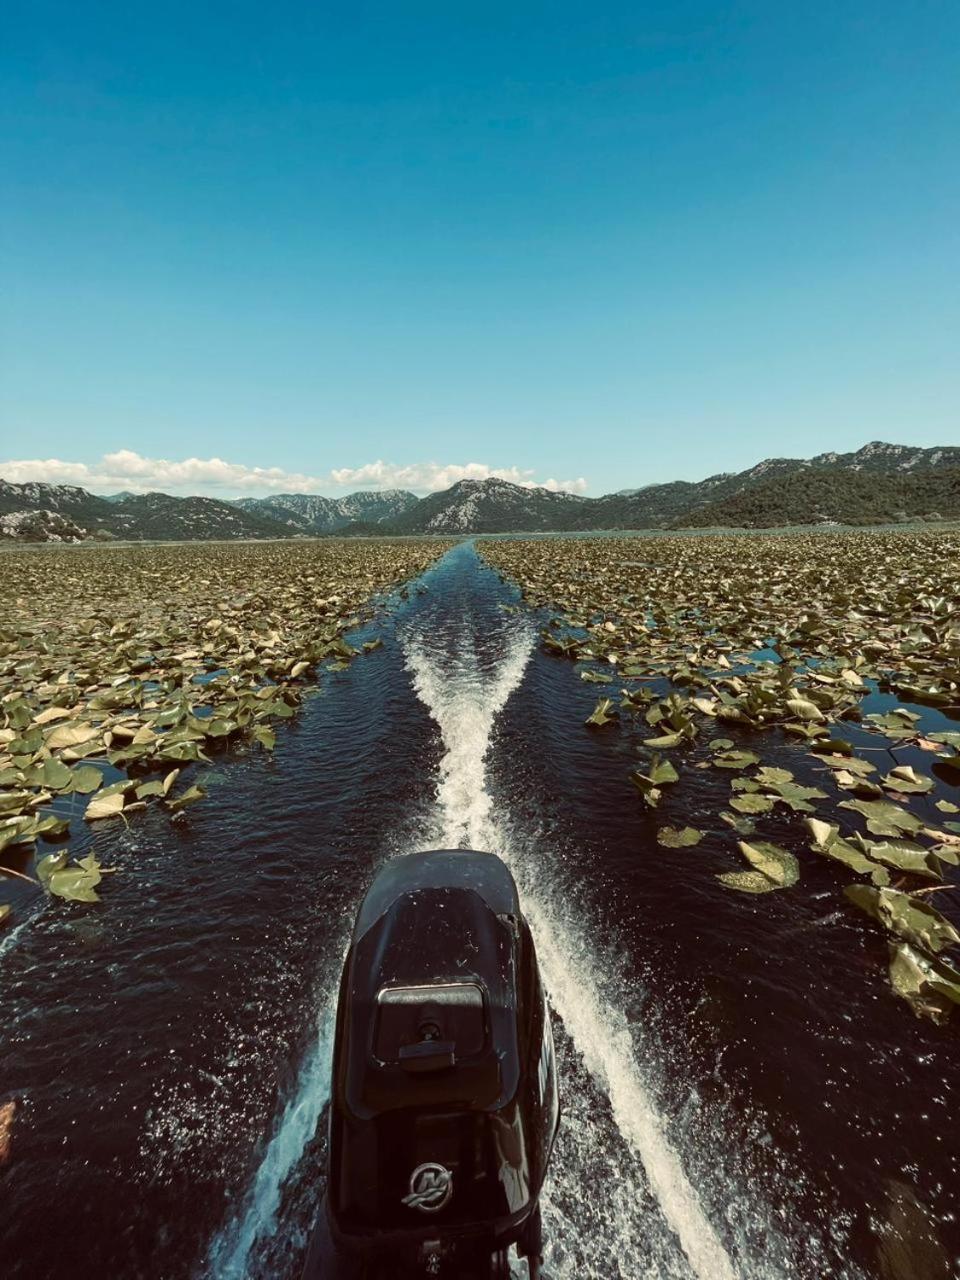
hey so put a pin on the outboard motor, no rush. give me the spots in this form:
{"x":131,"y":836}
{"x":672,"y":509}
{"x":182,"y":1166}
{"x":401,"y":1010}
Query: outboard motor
{"x":444,"y":1094}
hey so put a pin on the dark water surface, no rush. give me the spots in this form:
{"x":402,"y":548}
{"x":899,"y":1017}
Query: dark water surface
{"x":743,"y":1095}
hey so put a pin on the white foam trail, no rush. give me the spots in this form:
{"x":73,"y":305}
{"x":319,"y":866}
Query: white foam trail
{"x":465,"y":705}
{"x":229,"y":1254}
{"x":11,"y":939}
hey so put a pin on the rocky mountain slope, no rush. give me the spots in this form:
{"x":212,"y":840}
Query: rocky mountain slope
{"x":880,"y":482}
{"x":313,"y":513}
{"x":491,"y":506}
{"x":136,"y":516}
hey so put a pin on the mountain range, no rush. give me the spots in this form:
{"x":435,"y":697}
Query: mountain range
{"x":879,"y":483}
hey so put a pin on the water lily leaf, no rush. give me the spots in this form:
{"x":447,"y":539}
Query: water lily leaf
{"x":220,"y":728}
{"x":50,"y":714}
{"x":77,"y":883}
{"x":804,"y":709}
{"x":828,"y":842}
{"x":70,"y":735}
{"x":664,"y":740}
{"x":147,"y":790}
{"x":775,"y":863}
{"x":265,"y":736}
{"x":105,"y":805}
{"x":6,"y":911}
{"x":768,"y":776}
{"x":671,"y":838}
{"x":833,"y":747}
{"x":748,"y":881}
{"x":931,"y":986}
{"x":721,"y":744}
{"x":191,"y":796}
{"x":48,"y":865}
{"x":884,"y":818}
{"x":20,"y":830}
{"x":595,"y":677}
{"x":747,"y":803}
{"x":27,"y":744}
{"x":56,"y":775}
{"x":182,"y":751}
{"x":905,"y":779}
{"x":604,"y":712}
{"x":86,"y":778}
{"x":947,"y":806}
{"x":745,"y":826}
{"x":662,"y":771}
{"x":15,"y":801}
{"x":735,"y":759}
{"x":908,"y":917}
{"x":169,"y":780}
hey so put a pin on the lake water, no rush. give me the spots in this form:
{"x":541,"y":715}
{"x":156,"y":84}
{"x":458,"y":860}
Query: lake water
{"x":743,"y":1096}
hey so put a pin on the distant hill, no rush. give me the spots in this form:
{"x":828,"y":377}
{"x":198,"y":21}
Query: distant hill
{"x":137,"y":516}
{"x":878,"y":483}
{"x":491,"y":506}
{"x":840,"y":497}
{"x":313,"y":513}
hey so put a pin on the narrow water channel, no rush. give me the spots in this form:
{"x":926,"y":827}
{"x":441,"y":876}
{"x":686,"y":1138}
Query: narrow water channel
{"x":742,"y":1095}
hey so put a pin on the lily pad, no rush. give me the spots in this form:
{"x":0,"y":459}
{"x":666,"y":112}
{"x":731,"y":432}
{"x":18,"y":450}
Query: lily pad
{"x":671,"y":838}
{"x":909,"y":917}
{"x":931,"y":986}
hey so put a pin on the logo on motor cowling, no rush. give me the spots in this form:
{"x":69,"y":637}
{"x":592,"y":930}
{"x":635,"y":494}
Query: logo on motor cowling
{"x":431,"y":1186}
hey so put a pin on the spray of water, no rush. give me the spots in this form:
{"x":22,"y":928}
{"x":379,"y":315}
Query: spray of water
{"x":619,"y":1202}
{"x":638,"y":1232}
{"x":465,"y":703}
{"x":230,"y":1253}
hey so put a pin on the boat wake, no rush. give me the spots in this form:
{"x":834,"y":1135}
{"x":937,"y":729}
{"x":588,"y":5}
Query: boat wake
{"x":620,"y":1199}
{"x":618,"y":1194}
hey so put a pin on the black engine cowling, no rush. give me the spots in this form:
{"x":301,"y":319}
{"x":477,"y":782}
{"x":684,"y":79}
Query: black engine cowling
{"x":444,"y":1099}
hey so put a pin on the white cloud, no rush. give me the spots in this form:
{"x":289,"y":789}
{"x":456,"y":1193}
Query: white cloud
{"x":128,"y":470}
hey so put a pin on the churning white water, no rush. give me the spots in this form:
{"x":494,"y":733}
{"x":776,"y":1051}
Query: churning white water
{"x":618,"y":1202}
{"x":230,"y":1252}
{"x":628,"y":1228}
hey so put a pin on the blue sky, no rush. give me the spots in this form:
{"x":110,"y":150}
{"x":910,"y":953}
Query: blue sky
{"x":610,"y":244}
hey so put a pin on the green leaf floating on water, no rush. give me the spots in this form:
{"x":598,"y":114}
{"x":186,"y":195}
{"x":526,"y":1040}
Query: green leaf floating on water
{"x":86,"y":779}
{"x":884,"y":818}
{"x":804,"y":709}
{"x":48,"y":865}
{"x":748,"y":803}
{"x":265,"y":736}
{"x":107,"y":805}
{"x":595,"y":677}
{"x":6,"y":912}
{"x":77,"y":882}
{"x":931,"y":986}
{"x":828,"y":842}
{"x":748,"y":881}
{"x":771,"y":777}
{"x":909,"y":917}
{"x":904,"y":855}
{"x":661,"y":772}
{"x":56,"y":775}
{"x":671,"y":838}
{"x":905,"y":779}
{"x":605,"y":712}
{"x":772,"y":864}
{"x":191,"y":796}
{"x":735,"y":759}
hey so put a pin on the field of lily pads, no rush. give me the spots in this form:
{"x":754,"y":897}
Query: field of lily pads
{"x":120,"y":667}
{"x":841,"y":651}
